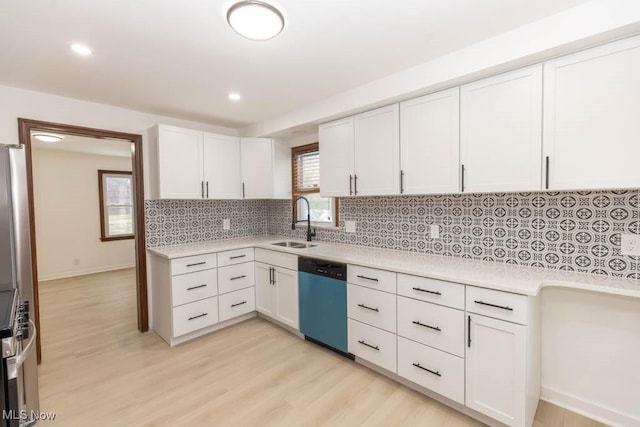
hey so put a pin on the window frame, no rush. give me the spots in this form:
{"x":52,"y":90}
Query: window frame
{"x":103,"y":222}
{"x":295,"y":151}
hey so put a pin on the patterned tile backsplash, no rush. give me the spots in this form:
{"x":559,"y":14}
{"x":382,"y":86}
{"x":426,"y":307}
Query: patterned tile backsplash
{"x":569,"y":230}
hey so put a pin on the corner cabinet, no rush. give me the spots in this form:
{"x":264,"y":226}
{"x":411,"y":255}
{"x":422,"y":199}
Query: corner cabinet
{"x":264,"y":166}
{"x":501,"y":132}
{"x":277,"y":287}
{"x":591,"y":110}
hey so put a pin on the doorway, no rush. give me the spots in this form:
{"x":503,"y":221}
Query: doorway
{"x":26,"y":128}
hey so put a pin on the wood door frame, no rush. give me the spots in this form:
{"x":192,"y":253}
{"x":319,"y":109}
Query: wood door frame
{"x":25,"y":127}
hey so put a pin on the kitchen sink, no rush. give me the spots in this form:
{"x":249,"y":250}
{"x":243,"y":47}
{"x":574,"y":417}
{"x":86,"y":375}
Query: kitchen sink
{"x":294,"y":245}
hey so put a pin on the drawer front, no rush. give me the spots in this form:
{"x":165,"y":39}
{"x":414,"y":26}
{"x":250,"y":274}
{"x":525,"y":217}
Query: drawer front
{"x":193,"y":263}
{"x":432,"y":369}
{"x":235,"y":257}
{"x":372,"y":307}
{"x":196,"y":315}
{"x":372,"y":344}
{"x":194,"y":286}
{"x":373,"y":278}
{"x":234,"y":277}
{"x":431,"y":290}
{"x":432,"y":325}
{"x":501,"y":305}
{"x":236,"y":303}
{"x":280,"y":259}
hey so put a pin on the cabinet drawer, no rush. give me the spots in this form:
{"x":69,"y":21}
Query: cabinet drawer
{"x":236,"y":303}
{"x":194,"y":286}
{"x":192,"y":263}
{"x":372,"y":307}
{"x":373,"y":278}
{"x":277,"y":258}
{"x":432,"y":369}
{"x":431,"y":290}
{"x":234,"y":277}
{"x":372,"y":344}
{"x":196,"y":315}
{"x":501,"y":305}
{"x":235,"y":257}
{"x":432,"y":325}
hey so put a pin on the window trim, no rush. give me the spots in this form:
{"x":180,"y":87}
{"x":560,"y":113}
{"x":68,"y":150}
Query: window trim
{"x":103,"y":229}
{"x":300,"y":149}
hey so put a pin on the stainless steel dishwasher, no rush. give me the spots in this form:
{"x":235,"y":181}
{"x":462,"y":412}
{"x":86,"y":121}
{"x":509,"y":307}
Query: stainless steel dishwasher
{"x":322,"y":293}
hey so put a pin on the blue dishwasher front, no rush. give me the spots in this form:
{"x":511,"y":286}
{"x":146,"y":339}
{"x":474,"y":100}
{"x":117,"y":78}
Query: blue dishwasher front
{"x":323,"y":302}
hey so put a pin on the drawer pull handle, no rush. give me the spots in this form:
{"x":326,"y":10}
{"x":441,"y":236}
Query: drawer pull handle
{"x":198,"y":316}
{"x":197,"y":263}
{"x":504,"y":307}
{"x":427,"y":291}
{"x":240,"y":303}
{"x":368,"y":308}
{"x":237,"y":256}
{"x":238,"y":277}
{"x":417,"y":365}
{"x":435,"y":328}
{"x":196,"y":287}
{"x":375,"y":347}
{"x":373,"y":279}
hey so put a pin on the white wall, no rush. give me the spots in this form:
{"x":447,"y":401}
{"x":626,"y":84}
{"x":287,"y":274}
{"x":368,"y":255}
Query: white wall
{"x":67,"y":213}
{"x":591,"y":354}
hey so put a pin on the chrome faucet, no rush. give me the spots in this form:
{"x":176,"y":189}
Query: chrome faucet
{"x":310,"y":233}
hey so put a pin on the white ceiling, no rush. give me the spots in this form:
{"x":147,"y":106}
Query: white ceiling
{"x":85,"y":145}
{"x":180,"y":59}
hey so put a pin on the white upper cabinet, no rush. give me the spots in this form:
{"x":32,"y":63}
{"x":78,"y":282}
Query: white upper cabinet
{"x":180,"y":173}
{"x":221,"y":167}
{"x":336,"y":158}
{"x":501,"y":132}
{"x":377,"y":152}
{"x":262,"y":161}
{"x":592,"y":118}
{"x":430,"y":143}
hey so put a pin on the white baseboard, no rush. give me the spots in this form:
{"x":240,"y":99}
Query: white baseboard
{"x":68,"y":274}
{"x":588,"y":408}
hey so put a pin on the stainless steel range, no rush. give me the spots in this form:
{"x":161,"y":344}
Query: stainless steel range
{"x":19,"y":403}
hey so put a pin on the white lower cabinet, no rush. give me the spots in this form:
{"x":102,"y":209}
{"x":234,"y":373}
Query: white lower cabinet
{"x":236,"y":303}
{"x":372,"y":344}
{"x":277,"y":288}
{"x":372,"y":307}
{"x":193,"y":316}
{"x":433,"y":369}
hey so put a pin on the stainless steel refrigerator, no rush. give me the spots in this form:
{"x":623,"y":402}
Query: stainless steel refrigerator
{"x":19,"y":402}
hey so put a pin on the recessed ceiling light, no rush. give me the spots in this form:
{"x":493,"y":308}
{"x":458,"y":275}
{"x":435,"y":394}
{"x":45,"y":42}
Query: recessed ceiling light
{"x":255,"y":20}
{"x":47,"y":137}
{"x":234,"y":96}
{"x":81,"y":49}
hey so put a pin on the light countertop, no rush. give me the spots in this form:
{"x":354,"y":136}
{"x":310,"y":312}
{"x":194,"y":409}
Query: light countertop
{"x":492,"y":275}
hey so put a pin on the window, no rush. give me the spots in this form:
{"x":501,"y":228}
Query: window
{"x":116,"y":205}
{"x":305,"y":167}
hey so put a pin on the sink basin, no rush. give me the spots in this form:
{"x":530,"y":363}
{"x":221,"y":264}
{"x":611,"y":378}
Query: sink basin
{"x":294,"y":245}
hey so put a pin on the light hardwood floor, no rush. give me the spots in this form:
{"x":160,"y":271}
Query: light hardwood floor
{"x":97,"y":370}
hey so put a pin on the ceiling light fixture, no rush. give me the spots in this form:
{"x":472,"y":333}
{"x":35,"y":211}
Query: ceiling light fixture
{"x":47,"y":137}
{"x":81,"y":49}
{"x":234,"y":96}
{"x":255,"y":20}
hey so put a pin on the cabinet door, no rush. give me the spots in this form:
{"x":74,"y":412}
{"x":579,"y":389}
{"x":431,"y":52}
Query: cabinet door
{"x":496,"y":369}
{"x":180,"y":163}
{"x":377,"y":152}
{"x":501,"y":132}
{"x":430,"y":143}
{"x":221,"y":167}
{"x":591,"y":110}
{"x":287,"y":297}
{"x":336,"y":158}
{"x":265,"y":290}
{"x":257,"y":167}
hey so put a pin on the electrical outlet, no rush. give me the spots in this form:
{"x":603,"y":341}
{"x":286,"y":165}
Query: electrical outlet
{"x":226,"y":224}
{"x":434,"y":231}
{"x":350,"y":226}
{"x":630,"y":244}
